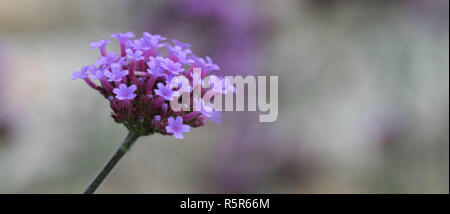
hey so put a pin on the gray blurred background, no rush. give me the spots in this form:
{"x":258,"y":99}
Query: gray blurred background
{"x":363,"y":97}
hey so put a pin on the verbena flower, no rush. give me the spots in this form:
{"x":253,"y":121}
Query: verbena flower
{"x":108,"y":59}
{"x":83,"y":73}
{"x":115,"y":73}
{"x":101,"y":44}
{"x":164,"y":91}
{"x":138,"y":84}
{"x":136,"y":55}
{"x":124,"y":92}
{"x":171,"y":66}
{"x":176,"y":127}
{"x":155,"y":68}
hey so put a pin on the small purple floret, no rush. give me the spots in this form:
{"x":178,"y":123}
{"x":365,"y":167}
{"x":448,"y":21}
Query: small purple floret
{"x":116,"y":74}
{"x":83,"y":73}
{"x":124,"y":92}
{"x":136,"y":55}
{"x":164,"y":91}
{"x":176,"y":127}
{"x":99,"y":44}
{"x":122,"y":37}
{"x":171,"y":66}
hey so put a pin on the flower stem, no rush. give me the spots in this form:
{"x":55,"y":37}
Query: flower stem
{"x":104,"y":172}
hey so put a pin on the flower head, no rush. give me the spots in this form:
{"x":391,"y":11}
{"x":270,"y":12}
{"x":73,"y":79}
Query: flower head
{"x":124,"y":92}
{"x":176,"y":127}
{"x":140,"y":93}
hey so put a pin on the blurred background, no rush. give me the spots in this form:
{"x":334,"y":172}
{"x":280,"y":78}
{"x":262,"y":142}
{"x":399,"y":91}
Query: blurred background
{"x":363,"y":97}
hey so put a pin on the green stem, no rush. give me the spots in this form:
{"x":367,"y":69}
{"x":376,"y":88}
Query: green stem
{"x":98,"y":180}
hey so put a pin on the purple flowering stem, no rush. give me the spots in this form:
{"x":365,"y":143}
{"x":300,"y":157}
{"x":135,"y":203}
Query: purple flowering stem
{"x":122,"y":49}
{"x":106,"y":84}
{"x":127,"y":105}
{"x":92,"y":85}
{"x":131,"y":72}
{"x":158,"y":102}
{"x":150,"y":84}
{"x":103,"y":51}
{"x":104,"y":172}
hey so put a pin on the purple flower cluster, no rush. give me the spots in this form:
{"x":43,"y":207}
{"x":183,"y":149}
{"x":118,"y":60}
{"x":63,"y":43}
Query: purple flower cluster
{"x":137,"y":83}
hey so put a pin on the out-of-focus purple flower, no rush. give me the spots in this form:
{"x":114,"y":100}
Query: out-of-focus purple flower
{"x":124,"y":92}
{"x":176,"y":127}
{"x":238,"y":28}
{"x":233,"y":33}
{"x":164,"y":91}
